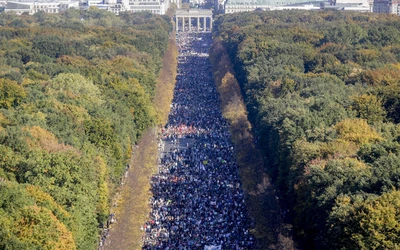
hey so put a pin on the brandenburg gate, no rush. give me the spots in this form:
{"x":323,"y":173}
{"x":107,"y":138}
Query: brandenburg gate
{"x":199,"y":14}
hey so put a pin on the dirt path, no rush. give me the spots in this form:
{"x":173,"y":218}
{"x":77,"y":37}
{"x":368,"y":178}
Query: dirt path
{"x":132,"y":207}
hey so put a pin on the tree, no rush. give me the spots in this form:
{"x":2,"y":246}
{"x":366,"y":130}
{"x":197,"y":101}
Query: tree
{"x":372,"y":222}
{"x":11,"y":94}
{"x":356,"y":130}
{"x":51,"y":45}
{"x":369,"y":107}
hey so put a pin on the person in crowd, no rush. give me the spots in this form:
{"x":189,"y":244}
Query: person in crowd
{"x":197,"y":201}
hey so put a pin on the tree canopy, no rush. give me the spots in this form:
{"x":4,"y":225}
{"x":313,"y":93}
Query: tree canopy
{"x":76,"y":93}
{"x":322,"y":92}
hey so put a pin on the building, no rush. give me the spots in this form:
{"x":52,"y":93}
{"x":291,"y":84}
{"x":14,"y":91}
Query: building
{"x":232,"y":6}
{"x":198,"y":20}
{"x":154,"y":6}
{"x":353,"y":5}
{"x":32,"y":7}
{"x":115,"y":6}
{"x":386,"y":7}
{"x":109,"y":5}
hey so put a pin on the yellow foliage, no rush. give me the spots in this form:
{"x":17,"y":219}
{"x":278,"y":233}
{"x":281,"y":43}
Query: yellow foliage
{"x":357,"y":131}
{"x":166,"y":82}
{"x":343,"y":200}
{"x":382,"y":77}
{"x":234,"y":108}
{"x":45,"y":140}
{"x":41,"y":197}
{"x":76,"y":61}
{"x":379,"y":220}
{"x":304,"y":151}
{"x":354,"y":163}
{"x":27,"y":81}
{"x":122,"y":63}
{"x":108,"y":44}
{"x":396,"y":66}
{"x":11,"y":93}
{"x":368,"y":107}
{"x":228,"y":87}
{"x":366,"y":55}
{"x":339,"y":148}
{"x":38,"y":226}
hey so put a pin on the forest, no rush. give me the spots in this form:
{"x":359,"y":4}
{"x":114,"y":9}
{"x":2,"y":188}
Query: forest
{"x":322,"y":90}
{"x":76,"y":92}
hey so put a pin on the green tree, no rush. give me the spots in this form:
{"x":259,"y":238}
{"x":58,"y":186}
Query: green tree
{"x":11,"y":94}
{"x":369,"y":107}
{"x":372,"y":223}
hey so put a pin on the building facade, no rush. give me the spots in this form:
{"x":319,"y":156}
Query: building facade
{"x":233,"y":6}
{"x":116,"y":6}
{"x":387,"y":7}
{"x":154,"y":6}
{"x":32,"y":7}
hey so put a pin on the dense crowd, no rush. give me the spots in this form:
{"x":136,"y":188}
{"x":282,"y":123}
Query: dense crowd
{"x":197,"y":202}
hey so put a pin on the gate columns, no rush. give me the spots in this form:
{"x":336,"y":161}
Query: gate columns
{"x":197,"y":14}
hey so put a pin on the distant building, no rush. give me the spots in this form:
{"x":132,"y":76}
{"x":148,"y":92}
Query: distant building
{"x":233,"y":6}
{"x":387,"y":7}
{"x":353,"y":5}
{"x":116,"y":6}
{"x":109,"y":5}
{"x":32,"y":7}
{"x":154,"y":6}
{"x":297,"y":7}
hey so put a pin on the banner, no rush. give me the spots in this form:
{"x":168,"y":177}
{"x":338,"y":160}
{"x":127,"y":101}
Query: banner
{"x":211,"y":247}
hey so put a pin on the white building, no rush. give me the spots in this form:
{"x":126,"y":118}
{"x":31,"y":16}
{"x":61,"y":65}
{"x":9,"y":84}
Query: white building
{"x":232,"y":6}
{"x":353,"y":5}
{"x":109,"y":5}
{"x":32,"y":7}
{"x":116,"y":6}
{"x":154,"y":6}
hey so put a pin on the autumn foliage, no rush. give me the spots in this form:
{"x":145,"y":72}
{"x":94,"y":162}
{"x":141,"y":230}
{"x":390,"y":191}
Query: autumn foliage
{"x":76,"y":93}
{"x":322,"y":93}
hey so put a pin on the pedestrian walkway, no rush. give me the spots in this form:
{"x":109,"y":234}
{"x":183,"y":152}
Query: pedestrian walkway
{"x":197,"y":198}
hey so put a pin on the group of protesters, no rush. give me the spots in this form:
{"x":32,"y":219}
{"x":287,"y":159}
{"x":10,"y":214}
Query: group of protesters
{"x":197,"y":201}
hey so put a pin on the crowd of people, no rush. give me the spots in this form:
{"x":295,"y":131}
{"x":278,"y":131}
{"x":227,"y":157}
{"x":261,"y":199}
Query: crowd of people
{"x":197,"y":202}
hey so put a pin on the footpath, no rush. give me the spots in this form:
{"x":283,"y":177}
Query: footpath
{"x":131,"y":208}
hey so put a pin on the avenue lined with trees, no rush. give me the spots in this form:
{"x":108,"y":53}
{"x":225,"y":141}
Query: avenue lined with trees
{"x":76,"y":92}
{"x":322,"y":92}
